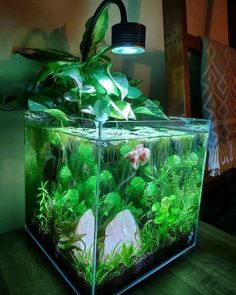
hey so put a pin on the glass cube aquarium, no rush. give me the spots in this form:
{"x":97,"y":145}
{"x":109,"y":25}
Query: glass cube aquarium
{"x":111,"y":203}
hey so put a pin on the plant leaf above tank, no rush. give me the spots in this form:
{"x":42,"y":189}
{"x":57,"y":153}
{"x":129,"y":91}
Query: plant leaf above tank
{"x":86,"y":89}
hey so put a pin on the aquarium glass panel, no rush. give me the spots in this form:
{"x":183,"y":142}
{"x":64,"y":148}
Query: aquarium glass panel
{"x":110,"y":203}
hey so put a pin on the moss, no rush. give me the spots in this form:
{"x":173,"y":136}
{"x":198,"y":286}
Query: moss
{"x":80,"y":187}
{"x":37,"y":137}
{"x":184,"y":144}
{"x":138,"y":184}
{"x":147,"y":171}
{"x":72,"y":196}
{"x":106,"y":177}
{"x":107,"y":182}
{"x":82,"y":161}
{"x":190,"y":160}
{"x":135,"y":190}
{"x":72,"y":203}
{"x":64,"y":177}
{"x":173,"y":161}
{"x":160,"y":148}
{"x":125,"y":149}
{"x":33,"y":178}
{"x":90,"y":191}
{"x":56,"y":137}
{"x":149,"y":195}
{"x":32,"y":172}
{"x":112,"y":203}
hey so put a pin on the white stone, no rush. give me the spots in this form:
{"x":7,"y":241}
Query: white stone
{"x":85,"y":227}
{"x":123,"y":229}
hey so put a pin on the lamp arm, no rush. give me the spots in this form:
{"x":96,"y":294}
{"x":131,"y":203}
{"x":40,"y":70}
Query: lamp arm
{"x":94,"y":19}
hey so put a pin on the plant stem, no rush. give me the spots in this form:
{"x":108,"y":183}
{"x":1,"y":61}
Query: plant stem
{"x":127,"y":179}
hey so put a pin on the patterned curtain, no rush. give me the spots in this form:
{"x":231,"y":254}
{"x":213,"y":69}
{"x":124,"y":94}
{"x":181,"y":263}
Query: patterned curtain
{"x":218,"y":87}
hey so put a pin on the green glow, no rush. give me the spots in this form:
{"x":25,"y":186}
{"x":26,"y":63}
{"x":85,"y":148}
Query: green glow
{"x":128,"y":50}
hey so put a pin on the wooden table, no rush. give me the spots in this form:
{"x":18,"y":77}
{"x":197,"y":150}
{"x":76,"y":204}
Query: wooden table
{"x":209,"y":269}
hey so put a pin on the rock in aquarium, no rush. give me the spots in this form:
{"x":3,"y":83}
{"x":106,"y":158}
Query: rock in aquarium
{"x":123,"y":229}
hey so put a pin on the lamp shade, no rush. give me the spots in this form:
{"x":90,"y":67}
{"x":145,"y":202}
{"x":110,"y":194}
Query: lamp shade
{"x":128,"y":38}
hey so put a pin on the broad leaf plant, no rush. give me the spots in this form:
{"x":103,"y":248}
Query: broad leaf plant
{"x":67,"y":86}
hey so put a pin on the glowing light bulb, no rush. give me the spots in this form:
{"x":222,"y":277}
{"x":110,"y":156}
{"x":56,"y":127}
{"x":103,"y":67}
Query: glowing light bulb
{"x":128,"y":50}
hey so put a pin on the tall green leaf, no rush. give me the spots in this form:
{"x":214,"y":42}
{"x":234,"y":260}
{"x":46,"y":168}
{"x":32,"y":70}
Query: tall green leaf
{"x":45,"y":55}
{"x":57,"y":114}
{"x":98,"y":32}
{"x":100,"y":55}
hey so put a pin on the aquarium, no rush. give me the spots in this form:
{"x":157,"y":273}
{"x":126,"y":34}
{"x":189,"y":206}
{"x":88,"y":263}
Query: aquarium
{"x":110,"y":203}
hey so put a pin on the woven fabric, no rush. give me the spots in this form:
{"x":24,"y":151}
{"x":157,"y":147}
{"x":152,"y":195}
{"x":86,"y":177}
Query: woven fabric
{"x":218,"y":86}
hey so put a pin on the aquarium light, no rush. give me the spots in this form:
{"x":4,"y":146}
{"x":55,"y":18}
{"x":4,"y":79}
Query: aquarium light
{"x":127,"y":37}
{"x":127,"y":50}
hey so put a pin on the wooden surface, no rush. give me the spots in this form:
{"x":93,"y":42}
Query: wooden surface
{"x":208,"y":269}
{"x":176,"y":57}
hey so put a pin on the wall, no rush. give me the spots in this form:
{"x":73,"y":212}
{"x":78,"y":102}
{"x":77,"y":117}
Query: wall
{"x":59,"y":24}
{"x":208,"y":18}
{"x":11,"y":170}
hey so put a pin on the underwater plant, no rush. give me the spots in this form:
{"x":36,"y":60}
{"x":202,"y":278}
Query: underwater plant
{"x":64,"y":177}
{"x":163,"y":199}
{"x":44,"y":215}
{"x":82,"y":161}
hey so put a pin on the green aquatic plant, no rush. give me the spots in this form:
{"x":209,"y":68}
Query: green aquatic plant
{"x":106,"y":182}
{"x":135,"y":189}
{"x":184,"y":144}
{"x":67,"y":238}
{"x":149,"y":237}
{"x":82,"y":264}
{"x":128,"y":255}
{"x":64,"y":177}
{"x":117,"y":263}
{"x":163,"y":201}
{"x":66,"y":242}
{"x":168,"y":210}
{"x":59,"y":212}
{"x":72,"y":204}
{"x":57,"y":138}
{"x":37,"y":139}
{"x":68,"y":205}
{"x":82,"y":161}
{"x":161,"y":148}
{"x":44,"y":215}
{"x":112,"y":202}
{"x":150,"y":194}
{"x":179,"y":191}
{"x":90,"y":186}
{"x":32,"y":172}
